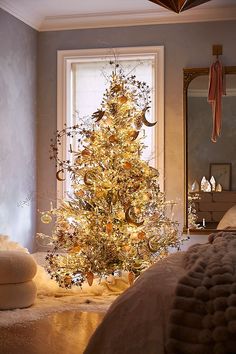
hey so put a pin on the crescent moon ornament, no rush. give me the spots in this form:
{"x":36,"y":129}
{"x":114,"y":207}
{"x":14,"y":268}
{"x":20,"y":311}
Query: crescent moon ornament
{"x":146,"y":122}
{"x":153,"y":244}
{"x":59,"y":178}
{"x":86,"y":179}
{"x":129,"y":218}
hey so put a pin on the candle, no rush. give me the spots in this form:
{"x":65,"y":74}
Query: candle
{"x":203,"y":222}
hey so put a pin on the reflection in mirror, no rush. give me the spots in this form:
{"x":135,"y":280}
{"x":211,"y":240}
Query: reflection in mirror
{"x":210,"y":167}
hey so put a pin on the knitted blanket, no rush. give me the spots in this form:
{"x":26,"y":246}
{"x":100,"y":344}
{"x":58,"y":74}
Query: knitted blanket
{"x":203,"y":316}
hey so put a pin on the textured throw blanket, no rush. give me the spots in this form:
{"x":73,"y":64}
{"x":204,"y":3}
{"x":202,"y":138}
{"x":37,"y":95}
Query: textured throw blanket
{"x":203,"y":317}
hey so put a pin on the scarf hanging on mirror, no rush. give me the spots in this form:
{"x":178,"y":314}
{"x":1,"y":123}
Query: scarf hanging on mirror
{"x":215,"y":92}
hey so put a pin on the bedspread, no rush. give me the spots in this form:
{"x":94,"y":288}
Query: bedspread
{"x":203,"y":318}
{"x":136,"y":322}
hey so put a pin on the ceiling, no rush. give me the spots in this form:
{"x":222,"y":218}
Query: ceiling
{"x":48,"y":15}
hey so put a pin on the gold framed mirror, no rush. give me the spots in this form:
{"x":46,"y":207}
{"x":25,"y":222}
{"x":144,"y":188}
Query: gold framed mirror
{"x":207,"y":211}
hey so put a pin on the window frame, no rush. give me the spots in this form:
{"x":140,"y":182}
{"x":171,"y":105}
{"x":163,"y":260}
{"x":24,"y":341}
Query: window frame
{"x":64,"y":60}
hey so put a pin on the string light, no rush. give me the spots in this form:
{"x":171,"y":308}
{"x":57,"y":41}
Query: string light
{"x":116,"y":218}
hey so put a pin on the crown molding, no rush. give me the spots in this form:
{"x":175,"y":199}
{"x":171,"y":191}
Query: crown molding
{"x":118,"y":19}
{"x":121,"y":19}
{"x":16,"y":12}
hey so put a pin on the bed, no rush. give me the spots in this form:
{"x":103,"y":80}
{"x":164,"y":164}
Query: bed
{"x":137,"y":321}
{"x":184,"y":304}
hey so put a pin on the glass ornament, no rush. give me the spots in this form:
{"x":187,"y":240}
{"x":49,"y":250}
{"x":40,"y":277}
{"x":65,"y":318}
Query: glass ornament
{"x":46,"y":218}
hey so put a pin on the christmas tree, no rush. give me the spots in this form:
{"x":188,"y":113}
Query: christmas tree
{"x":115,"y":217}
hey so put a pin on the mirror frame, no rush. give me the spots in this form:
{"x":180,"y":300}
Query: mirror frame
{"x":188,"y":75}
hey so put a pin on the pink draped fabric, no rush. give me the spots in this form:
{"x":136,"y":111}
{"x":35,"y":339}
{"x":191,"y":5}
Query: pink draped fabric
{"x":215,"y":92}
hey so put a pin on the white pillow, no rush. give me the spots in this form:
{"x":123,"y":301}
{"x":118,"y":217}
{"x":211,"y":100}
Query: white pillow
{"x":17,"y":296}
{"x":16,"y":267}
{"x":229,"y":220}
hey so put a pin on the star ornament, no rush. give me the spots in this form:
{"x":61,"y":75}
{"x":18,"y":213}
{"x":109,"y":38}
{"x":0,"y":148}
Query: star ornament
{"x":179,"y":5}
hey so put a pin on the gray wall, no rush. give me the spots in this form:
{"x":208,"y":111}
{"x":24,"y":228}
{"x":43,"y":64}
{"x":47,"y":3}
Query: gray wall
{"x":18,"y":44}
{"x":202,"y":151}
{"x":186,"y":45}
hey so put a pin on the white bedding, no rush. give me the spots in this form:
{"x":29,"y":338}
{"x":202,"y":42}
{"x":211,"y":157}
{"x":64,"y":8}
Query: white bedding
{"x":136,"y":323}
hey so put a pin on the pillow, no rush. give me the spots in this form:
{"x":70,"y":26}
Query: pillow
{"x":16,"y":296}
{"x":229,"y":220}
{"x":16,"y":267}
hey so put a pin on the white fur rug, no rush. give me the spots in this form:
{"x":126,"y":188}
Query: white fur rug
{"x":60,"y":321}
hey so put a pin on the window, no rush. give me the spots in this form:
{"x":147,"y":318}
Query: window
{"x":82,"y":79}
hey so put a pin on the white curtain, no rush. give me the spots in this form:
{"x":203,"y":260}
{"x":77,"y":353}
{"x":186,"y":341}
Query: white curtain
{"x":91,"y":78}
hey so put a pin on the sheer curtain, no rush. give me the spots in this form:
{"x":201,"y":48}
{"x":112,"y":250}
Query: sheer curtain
{"x":90,"y":78}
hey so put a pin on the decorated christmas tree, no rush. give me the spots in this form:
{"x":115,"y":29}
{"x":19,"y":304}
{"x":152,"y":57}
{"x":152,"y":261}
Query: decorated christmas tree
{"x":114,"y":218}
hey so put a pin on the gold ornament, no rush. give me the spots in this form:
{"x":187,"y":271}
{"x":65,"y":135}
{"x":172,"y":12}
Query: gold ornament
{"x":109,"y":227}
{"x":127,"y":165}
{"x":133,"y":236}
{"x":131,"y":278}
{"x":92,"y":137}
{"x":113,"y":139}
{"x":85,"y":153}
{"x":145,"y":198}
{"x":107,"y":184}
{"x":141,"y":235}
{"x":90,"y":277}
{"x":75,"y":249}
{"x":134,"y":134}
{"x":121,"y":215}
{"x":108,"y":121}
{"x":123,"y":99}
{"x":100,"y":193}
{"x":79,"y":193}
{"x":68,"y":280}
{"x":46,"y":218}
{"x":126,"y":248}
